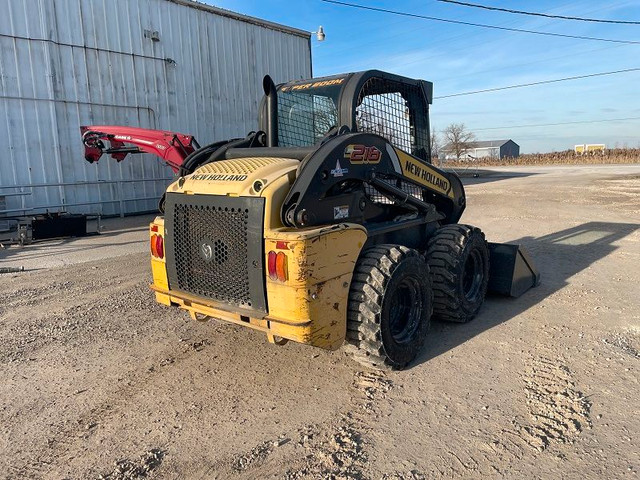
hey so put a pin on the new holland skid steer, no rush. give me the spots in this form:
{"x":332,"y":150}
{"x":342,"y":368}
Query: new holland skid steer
{"x":328,"y":224}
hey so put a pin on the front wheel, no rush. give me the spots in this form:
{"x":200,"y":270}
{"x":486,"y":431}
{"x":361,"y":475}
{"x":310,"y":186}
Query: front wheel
{"x":458,"y":256}
{"x":390,"y":304}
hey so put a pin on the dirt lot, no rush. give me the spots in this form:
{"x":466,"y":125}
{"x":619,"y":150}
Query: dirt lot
{"x":97,"y":381}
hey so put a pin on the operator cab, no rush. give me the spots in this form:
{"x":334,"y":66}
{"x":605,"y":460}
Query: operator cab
{"x":392,"y":106}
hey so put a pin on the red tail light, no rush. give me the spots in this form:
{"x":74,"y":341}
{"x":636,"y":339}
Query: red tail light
{"x":157,"y":246}
{"x":272,"y":265}
{"x":160,"y":246}
{"x":277,"y":266}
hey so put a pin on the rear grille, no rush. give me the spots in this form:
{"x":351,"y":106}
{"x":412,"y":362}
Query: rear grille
{"x":214,"y":248}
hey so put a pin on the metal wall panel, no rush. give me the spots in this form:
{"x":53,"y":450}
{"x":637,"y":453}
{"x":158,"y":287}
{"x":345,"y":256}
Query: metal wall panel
{"x":4,"y":224}
{"x":66,"y":63}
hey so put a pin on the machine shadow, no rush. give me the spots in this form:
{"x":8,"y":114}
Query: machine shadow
{"x":486,"y":176}
{"x":569,"y":251}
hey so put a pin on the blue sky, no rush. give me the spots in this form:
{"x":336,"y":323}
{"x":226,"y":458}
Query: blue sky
{"x":461,"y":58}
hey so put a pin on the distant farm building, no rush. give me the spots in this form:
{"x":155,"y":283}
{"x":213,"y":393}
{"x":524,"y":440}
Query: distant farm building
{"x":483,"y":149}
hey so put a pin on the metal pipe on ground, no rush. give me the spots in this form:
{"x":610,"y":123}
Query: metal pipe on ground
{"x":11,"y":269}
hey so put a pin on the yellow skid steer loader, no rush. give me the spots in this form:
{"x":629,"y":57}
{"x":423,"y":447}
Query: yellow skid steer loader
{"x":327,"y":224}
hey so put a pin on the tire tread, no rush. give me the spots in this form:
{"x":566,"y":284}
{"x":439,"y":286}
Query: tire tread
{"x":370,"y":280}
{"x":444,"y":256}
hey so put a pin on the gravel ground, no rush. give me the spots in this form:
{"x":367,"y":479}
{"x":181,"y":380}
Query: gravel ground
{"x":98,"y":381}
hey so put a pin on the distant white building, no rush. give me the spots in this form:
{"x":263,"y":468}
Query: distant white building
{"x":490,"y":148}
{"x":590,"y":147}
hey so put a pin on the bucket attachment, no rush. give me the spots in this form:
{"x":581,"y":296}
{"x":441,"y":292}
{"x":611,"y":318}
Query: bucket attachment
{"x":512,"y":270}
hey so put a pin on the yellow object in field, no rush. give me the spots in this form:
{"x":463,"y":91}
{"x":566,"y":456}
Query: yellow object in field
{"x":306,"y":292}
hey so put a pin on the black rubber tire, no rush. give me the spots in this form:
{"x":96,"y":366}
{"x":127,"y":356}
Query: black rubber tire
{"x":458,"y":258}
{"x":390,"y":304}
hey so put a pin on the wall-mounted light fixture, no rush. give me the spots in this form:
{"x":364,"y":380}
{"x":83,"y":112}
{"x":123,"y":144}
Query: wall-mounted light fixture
{"x":153,"y":35}
{"x":320,"y":36}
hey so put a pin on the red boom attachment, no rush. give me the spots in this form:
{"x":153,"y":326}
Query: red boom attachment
{"x":171,"y":147}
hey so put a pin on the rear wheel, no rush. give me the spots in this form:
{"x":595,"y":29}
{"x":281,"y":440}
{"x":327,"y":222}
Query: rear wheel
{"x":458,"y":257}
{"x":390,"y":305}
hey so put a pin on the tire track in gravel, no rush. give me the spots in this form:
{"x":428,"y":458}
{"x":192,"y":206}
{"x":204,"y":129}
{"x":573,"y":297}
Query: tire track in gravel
{"x":557,"y":409}
{"x":557,"y":412}
{"x":334,"y":450}
{"x":346,"y":450}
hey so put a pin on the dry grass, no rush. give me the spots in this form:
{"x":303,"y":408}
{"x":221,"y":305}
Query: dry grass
{"x":568,"y":157}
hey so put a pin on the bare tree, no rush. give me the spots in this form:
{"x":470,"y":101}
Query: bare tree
{"x":435,"y":147}
{"x":459,"y":139}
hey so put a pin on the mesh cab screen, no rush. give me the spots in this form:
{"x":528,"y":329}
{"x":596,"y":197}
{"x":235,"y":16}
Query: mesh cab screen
{"x":306,"y":115}
{"x":395,"y":111}
{"x":214,"y":248}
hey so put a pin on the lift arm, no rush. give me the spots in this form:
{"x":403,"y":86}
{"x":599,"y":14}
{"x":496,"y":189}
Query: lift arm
{"x":171,"y":147}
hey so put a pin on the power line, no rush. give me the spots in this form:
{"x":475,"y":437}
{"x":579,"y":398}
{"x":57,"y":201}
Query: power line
{"x":535,"y":14}
{"x":542,"y":82}
{"x":482,"y":25}
{"x":514,"y":65}
{"x":555,"y":124}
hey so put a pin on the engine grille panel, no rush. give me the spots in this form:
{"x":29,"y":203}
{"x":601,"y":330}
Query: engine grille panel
{"x":215,"y":248}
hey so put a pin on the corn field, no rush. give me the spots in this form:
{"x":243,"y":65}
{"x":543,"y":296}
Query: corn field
{"x":567,"y":157}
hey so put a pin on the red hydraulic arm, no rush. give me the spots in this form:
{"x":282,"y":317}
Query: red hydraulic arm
{"x":171,"y":147}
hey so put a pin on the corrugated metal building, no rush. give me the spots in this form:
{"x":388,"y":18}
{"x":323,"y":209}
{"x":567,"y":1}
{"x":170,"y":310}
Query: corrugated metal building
{"x":487,"y":148}
{"x":495,"y":149}
{"x":164,"y":64}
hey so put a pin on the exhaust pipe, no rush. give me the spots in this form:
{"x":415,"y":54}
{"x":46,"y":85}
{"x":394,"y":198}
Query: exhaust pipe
{"x":272,"y":111}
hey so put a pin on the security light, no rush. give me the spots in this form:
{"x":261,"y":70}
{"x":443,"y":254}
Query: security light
{"x":320,"y":36}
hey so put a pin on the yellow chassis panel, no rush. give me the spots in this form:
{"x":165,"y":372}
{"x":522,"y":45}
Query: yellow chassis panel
{"x":310,"y":307}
